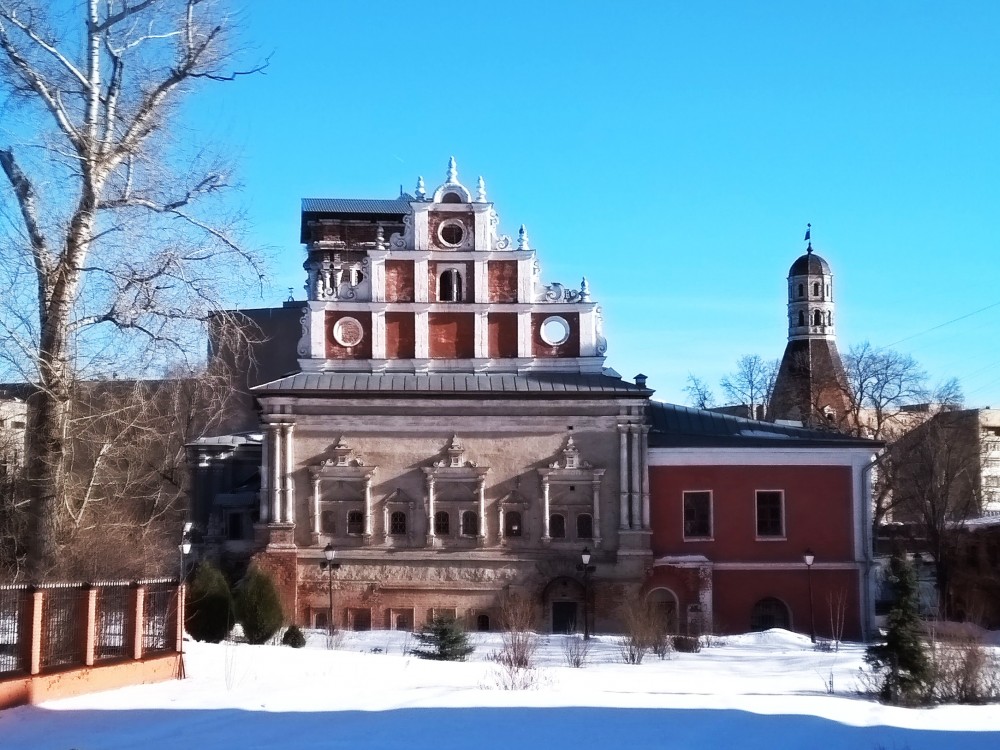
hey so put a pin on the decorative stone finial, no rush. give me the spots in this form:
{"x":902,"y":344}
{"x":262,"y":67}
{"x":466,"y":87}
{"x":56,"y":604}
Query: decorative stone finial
{"x":584,"y":290}
{"x":380,"y":238}
{"x":421,"y":191}
{"x":481,"y":190}
{"x":522,"y":239}
{"x":452,"y":170}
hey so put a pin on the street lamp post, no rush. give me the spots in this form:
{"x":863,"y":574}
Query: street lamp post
{"x":329,"y":565}
{"x":184,"y":548}
{"x":587,"y":569}
{"x":809,"y":558}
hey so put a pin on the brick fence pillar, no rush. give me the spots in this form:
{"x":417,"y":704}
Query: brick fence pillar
{"x":138,"y":618}
{"x":90,"y":631}
{"x":31,"y":631}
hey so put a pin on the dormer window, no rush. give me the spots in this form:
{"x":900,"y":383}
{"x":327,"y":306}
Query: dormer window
{"x":450,"y":286}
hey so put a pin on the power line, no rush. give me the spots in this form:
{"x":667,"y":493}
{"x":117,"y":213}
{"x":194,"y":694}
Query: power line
{"x":947,"y":323}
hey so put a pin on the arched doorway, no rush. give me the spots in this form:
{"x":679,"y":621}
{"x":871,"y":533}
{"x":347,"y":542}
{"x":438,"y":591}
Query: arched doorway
{"x":563,"y":601}
{"x":662,"y":603}
{"x":770,"y":613}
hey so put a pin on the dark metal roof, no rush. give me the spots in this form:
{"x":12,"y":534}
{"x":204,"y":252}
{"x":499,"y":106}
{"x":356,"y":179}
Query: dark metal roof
{"x":810,"y":263}
{"x":372,"y":206}
{"x":673,"y":426}
{"x":454,"y":384}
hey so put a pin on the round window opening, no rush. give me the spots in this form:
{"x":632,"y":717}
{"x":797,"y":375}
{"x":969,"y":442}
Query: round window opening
{"x":452,"y":233}
{"x":348,"y":332}
{"x":555,"y":331}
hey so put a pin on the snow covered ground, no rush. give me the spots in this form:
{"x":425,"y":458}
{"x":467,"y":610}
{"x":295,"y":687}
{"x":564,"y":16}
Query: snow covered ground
{"x":763,"y":690}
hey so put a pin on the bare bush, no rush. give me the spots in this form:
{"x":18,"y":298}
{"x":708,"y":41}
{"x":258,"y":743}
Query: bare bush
{"x":836,"y":602}
{"x":964,"y":671}
{"x":642,"y":631}
{"x":507,"y":677}
{"x":518,"y":643}
{"x":576,"y":651}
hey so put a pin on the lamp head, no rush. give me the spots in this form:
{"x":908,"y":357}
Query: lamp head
{"x":809,"y":557}
{"x":329,"y":553}
{"x":585,"y":556}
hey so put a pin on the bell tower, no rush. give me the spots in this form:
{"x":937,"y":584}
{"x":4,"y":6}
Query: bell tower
{"x":811,"y":386}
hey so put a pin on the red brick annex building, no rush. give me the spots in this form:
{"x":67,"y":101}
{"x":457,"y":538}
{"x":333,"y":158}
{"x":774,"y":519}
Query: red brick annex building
{"x":445,"y":421}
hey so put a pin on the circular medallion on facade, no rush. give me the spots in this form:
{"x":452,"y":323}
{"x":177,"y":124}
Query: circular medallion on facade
{"x":451,"y":232}
{"x":348,"y":332}
{"x":554,"y":330}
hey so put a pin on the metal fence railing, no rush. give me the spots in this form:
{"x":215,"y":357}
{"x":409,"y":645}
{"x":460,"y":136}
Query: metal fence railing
{"x":113,"y":622}
{"x":63,"y":624}
{"x":11,"y":614}
{"x":158,"y":615}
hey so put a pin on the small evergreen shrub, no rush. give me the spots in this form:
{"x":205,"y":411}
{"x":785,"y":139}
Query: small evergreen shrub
{"x":443,"y":639}
{"x":900,"y":667}
{"x":258,"y":608}
{"x":209,"y":610}
{"x":687,"y":644}
{"x":293,"y":637}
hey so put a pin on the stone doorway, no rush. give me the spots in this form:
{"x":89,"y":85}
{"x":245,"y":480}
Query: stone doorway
{"x":564,"y":616}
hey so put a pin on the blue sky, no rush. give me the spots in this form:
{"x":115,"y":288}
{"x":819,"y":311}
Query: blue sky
{"x":671,"y":152}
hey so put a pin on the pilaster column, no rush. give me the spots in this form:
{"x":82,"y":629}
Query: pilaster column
{"x":623,"y":520}
{"x":545,"y":509}
{"x":481,"y":489}
{"x":635,"y":495}
{"x":430,"y":511}
{"x":277,"y":477}
{"x":367,"y":530}
{"x":644,"y":472}
{"x":315,"y":503}
{"x":420,"y":335}
{"x":265,"y":476}
{"x":481,"y":343}
{"x":288,"y":453}
{"x":595,"y":485}
{"x":524,"y":334}
{"x":378,"y":334}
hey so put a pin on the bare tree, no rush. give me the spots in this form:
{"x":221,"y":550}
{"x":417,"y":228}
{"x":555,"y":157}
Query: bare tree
{"x":117,"y":225}
{"x":699,"y":395}
{"x":880,"y":383}
{"x":751,"y":383}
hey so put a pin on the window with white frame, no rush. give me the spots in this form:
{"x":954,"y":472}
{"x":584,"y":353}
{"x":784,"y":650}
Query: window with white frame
{"x":698,"y":515}
{"x":770,"y":513}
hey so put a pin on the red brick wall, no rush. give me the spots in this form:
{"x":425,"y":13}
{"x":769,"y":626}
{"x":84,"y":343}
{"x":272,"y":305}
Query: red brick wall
{"x":502,"y":281}
{"x":818,"y":511}
{"x":400,"y":338}
{"x":502,"y":330}
{"x":363,"y":350}
{"x":571,"y":347}
{"x":451,"y":335}
{"x":399,"y":281}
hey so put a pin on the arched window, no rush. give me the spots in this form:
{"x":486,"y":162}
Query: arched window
{"x":397,"y":523}
{"x":817,"y":318}
{"x":512,"y":523}
{"x":451,"y":286}
{"x":470,"y":523}
{"x":802,"y":290}
{"x":816,"y":289}
{"x":829,"y":318}
{"x":355,"y":522}
{"x":662,"y":605}
{"x":328,"y":522}
{"x":483,"y":623}
{"x":769,"y":613}
{"x":451,"y":198}
{"x":802,"y":318}
{"x":442,"y":523}
{"x":557,"y":526}
{"x":584,"y":526}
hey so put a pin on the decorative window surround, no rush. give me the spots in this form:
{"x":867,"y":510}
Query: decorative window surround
{"x":455,"y":468}
{"x":342,"y":466}
{"x":570,"y":469}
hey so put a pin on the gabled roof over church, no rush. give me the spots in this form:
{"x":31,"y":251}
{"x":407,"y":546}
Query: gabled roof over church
{"x":673,"y":426}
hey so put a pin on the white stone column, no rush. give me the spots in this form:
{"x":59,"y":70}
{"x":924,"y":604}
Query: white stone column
{"x":367,"y":529}
{"x":644,"y":472}
{"x":265,"y":475}
{"x":378,"y":333}
{"x":430,"y":511}
{"x":480,"y":336}
{"x":277,"y":477}
{"x":635,"y":498}
{"x":481,"y":489}
{"x":545,"y":509}
{"x":289,"y":455}
{"x":315,"y":498}
{"x":500,"y":522}
{"x":623,"y":521}
{"x":420,"y":291}
{"x":420,"y":335}
{"x":595,"y":485}
{"x":481,"y":277}
{"x":524,"y":334}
